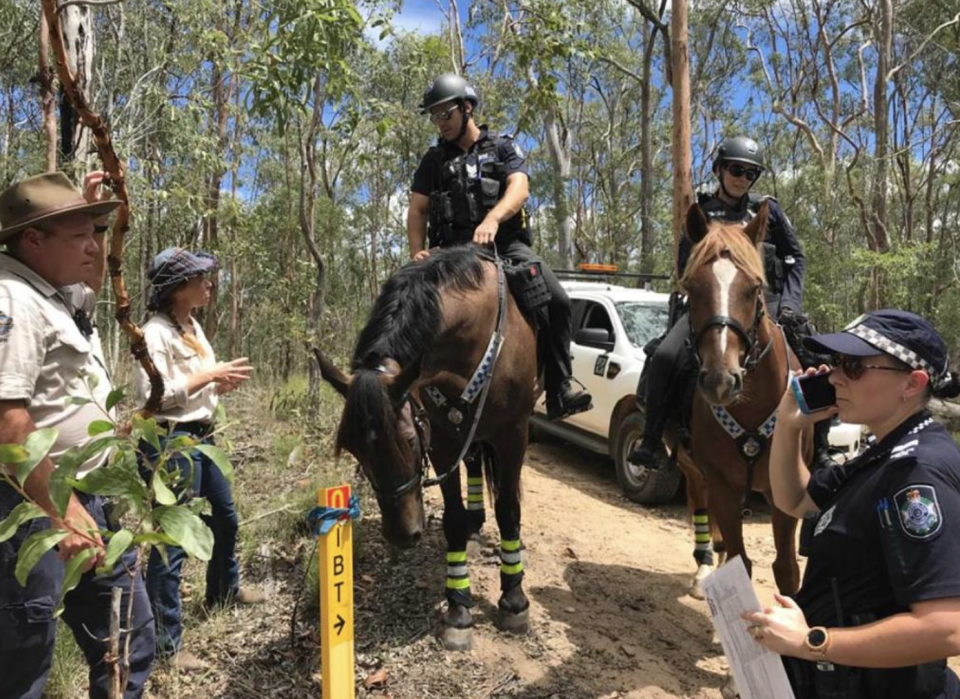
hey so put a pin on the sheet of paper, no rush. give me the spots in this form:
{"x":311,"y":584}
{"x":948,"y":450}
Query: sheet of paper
{"x":758,"y":671}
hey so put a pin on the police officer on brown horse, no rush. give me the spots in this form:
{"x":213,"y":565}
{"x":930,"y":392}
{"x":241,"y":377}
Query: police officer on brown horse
{"x":471,"y":187}
{"x":738,"y":164}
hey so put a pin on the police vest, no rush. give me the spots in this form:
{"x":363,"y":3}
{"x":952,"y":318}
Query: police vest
{"x":714,"y":208}
{"x":469,"y":186}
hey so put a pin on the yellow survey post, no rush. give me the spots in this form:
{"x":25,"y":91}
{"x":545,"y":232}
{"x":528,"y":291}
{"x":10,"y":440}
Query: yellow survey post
{"x":336,"y":600}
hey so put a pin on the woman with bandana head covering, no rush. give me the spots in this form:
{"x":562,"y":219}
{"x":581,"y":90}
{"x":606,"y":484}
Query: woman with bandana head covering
{"x":193,"y":382}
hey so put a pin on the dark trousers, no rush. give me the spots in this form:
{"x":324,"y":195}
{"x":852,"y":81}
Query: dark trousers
{"x":557,"y":367}
{"x":199,"y":477}
{"x":665,"y":366}
{"x":28,"y":628}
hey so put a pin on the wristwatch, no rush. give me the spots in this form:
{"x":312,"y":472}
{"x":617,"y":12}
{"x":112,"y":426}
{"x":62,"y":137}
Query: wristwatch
{"x":817,"y":641}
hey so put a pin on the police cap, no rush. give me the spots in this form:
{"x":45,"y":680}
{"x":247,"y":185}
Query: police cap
{"x":901,"y":334}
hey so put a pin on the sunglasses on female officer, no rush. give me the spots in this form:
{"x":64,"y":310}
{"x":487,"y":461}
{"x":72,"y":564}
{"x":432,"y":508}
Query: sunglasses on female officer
{"x":444,"y":115}
{"x":740,"y":171}
{"x":854,"y":367}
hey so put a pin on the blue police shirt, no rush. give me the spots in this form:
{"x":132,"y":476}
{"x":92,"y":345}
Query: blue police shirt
{"x":887,"y":534}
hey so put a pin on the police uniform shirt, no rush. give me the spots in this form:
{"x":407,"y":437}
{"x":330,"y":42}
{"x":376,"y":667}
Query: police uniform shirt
{"x":780,"y":234}
{"x":177,"y":361}
{"x":888,"y":532}
{"x":44,"y":356}
{"x":428,"y":176}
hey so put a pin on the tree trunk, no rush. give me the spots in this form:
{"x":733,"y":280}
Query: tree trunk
{"x":45,"y":78}
{"x":647,"y":232}
{"x":560,"y":156}
{"x":78,"y":36}
{"x":682,"y":152}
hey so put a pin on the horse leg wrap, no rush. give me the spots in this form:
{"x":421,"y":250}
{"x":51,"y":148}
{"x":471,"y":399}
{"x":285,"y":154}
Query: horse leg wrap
{"x":702,"y":552}
{"x":511,"y":564}
{"x":458,"y":581}
{"x":475,"y":493}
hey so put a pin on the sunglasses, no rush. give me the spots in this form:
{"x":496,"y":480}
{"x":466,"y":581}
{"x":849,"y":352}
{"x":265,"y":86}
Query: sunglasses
{"x":740,"y":171}
{"x":854,"y":367}
{"x":445,"y":115}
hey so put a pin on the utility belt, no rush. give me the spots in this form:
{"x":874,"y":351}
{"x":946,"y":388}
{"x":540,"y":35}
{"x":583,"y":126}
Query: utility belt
{"x":197,"y":428}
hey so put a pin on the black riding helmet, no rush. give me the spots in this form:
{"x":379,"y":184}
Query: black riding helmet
{"x":739,"y":149}
{"x":449,"y":87}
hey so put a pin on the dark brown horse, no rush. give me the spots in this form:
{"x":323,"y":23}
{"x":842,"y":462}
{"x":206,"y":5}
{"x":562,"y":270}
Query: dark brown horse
{"x":429,"y":331}
{"x":744,"y":362}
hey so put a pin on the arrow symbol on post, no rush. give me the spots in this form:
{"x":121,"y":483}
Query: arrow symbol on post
{"x":341,"y":622}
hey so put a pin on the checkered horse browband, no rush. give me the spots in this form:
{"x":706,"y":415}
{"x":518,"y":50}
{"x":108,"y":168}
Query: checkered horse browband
{"x":907,"y":356}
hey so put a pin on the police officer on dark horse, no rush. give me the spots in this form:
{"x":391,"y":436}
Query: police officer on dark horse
{"x":472,"y":186}
{"x":738,"y":164}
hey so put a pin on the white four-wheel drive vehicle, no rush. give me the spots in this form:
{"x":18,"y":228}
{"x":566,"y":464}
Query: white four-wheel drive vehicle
{"x":611,"y":324}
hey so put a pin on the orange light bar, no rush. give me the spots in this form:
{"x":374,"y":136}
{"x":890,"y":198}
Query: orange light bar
{"x":596,"y":268}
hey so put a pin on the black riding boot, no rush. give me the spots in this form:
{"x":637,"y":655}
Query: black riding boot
{"x":567,"y":401}
{"x":649,"y":452}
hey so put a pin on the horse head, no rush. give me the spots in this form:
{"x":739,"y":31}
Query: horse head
{"x":724,"y":280}
{"x":383,"y":427}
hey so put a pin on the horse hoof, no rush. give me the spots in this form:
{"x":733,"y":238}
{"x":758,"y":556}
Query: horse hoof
{"x":696,"y":587}
{"x":456,"y":639}
{"x":729,"y":689}
{"x":518,"y":622}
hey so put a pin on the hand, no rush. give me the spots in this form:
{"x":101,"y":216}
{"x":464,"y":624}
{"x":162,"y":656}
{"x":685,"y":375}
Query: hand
{"x":782,"y":629}
{"x":93,"y":190}
{"x":788,"y":412}
{"x":84,"y":534}
{"x":422,"y":255}
{"x":231,"y":373}
{"x":486,"y":231}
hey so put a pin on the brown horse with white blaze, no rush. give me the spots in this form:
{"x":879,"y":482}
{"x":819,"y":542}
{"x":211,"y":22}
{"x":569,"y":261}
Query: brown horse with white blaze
{"x":412,"y":400}
{"x":744,"y":364}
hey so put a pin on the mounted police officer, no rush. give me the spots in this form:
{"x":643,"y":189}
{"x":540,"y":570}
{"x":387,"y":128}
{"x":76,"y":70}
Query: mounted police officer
{"x":878,"y":612}
{"x":738,"y":164}
{"x":471,"y":187}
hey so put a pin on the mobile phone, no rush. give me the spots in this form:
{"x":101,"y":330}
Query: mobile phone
{"x":813,"y":392}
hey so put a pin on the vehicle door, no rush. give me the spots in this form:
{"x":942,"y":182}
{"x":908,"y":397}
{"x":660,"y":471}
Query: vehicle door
{"x":590,"y":365}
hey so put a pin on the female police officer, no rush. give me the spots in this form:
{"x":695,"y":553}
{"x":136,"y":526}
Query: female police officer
{"x":879,"y":608}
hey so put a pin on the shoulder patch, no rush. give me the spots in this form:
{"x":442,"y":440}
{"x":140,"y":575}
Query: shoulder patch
{"x":6,"y":325}
{"x":824,"y":521}
{"x":919,"y":511}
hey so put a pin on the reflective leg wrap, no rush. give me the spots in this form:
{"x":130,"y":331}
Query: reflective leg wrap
{"x":458,"y":581}
{"x":511,"y":565}
{"x":475,"y":493}
{"x":702,"y":551}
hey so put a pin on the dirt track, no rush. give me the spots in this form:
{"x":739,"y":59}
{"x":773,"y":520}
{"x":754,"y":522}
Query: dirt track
{"x":607,"y":581}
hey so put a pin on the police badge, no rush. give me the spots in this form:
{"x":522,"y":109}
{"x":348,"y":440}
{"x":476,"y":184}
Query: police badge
{"x":919,"y":511}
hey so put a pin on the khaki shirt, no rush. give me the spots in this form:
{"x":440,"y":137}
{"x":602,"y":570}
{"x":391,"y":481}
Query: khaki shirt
{"x":176,"y":361}
{"x":44,"y":356}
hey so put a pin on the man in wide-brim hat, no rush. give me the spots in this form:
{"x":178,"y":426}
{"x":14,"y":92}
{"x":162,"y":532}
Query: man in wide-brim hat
{"x":50,"y":353}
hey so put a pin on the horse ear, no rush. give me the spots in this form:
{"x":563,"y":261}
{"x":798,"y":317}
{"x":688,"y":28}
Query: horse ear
{"x":697,"y":224}
{"x":756,"y":230}
{"x":331,"y":374}
{"x":399,"y":381}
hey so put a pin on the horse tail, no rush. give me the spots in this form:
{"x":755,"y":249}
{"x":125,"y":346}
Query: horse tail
{"x":369,"y":419}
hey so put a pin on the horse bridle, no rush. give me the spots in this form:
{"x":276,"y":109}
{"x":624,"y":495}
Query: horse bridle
{"x":752,"y":353}
{"x":420,"y":423}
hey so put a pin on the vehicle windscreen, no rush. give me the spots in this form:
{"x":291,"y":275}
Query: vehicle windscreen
{"x":642,"y":321}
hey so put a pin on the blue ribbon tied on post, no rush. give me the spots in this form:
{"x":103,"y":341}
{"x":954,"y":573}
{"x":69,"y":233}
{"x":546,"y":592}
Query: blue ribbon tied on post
{"x":323,"y":518}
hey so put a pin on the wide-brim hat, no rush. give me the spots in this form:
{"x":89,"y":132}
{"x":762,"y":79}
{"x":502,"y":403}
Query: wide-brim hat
{"x":902,"y":335}
{"x":41,"y":198}
{"x":172,"y":267}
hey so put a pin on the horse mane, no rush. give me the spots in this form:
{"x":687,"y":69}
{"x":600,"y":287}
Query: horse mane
{"x":725,"y":239}
{"x":403,"y":324}
{"x":406,"y":317}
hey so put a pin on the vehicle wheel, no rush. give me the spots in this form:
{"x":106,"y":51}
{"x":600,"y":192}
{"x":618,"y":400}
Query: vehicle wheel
{"x":640,"y":484}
